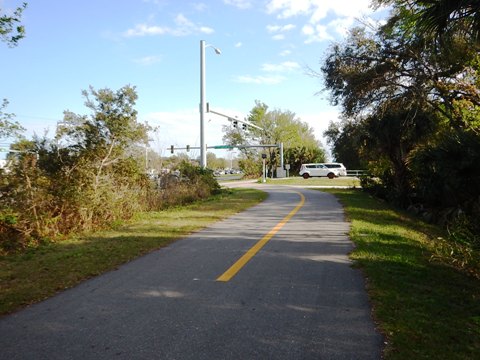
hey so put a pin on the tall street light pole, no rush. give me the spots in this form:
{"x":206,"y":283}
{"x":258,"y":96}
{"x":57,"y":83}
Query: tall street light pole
{"x":203,"y":102}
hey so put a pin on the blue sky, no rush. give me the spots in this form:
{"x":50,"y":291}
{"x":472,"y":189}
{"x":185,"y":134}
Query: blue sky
{"x":155,"y":45}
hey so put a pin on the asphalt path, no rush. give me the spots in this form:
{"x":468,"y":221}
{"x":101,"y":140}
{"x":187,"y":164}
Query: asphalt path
{"x":296,"y":297}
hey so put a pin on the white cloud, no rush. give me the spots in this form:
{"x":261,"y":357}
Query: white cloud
{"x":238,"y":44}
{"x":148,"y":60}
{"x":206,"y":30}
{"x":144,"y":30}
{"x":275,"y":74}
{"x":316,"y":11}
{"x":200,"y":6}
{"x":342,"y":26}
{"x":241,"y":4}
{"x":316,"y":33}
{"x":308,"y":30}
{"x":282,"y":67}
{"x":288,"y":8}
{"x":285,"y":53}
{"x":260,"y":80}
{"x":278,"y":28}
{"x":183,"y":27}
{"x":279,"y":31}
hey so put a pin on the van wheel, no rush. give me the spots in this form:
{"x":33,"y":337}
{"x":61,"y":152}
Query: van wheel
{"x":331,"y":175}
{"x":306,"y":176}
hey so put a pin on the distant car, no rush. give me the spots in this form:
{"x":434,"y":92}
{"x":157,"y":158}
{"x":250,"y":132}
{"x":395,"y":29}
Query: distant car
{"x":310,"y":170}
{"x":342,"y":170}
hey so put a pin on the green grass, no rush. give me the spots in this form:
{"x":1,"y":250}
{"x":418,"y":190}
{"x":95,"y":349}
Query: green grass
{"x":426,"y":308}
{"x":317,"y":181}
{"x":41,"y":272}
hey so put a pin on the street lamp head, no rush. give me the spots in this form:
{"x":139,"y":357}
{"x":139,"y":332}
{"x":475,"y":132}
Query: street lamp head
{"x":217,"y":50}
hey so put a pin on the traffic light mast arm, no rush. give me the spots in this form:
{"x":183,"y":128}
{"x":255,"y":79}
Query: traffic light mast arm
{"x":230,"y":118}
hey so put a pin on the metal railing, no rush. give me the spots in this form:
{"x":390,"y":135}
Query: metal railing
{"x":357,"y":173}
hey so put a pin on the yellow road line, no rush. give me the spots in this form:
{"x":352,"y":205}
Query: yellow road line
{"x":235,"y":268}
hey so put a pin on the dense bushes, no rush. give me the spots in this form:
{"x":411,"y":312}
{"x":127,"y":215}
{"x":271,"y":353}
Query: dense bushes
{"x":86,"y":179}
{"x":193,"y":183}
{"x":38,"y":206}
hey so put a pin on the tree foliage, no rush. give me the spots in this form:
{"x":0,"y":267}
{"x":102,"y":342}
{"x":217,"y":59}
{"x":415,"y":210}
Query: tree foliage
{"x":410,"y":95}
{"x":274,"y":127}
{"x":11,"y":30}
{"x":345,"y":139}
{"x":371,"y":69}
{"x":86,"y":178}
{"x":441,"y":19}
{"x":8,"y":126}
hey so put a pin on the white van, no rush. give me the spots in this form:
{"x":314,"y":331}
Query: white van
{"x":310,"y":170}
{"x":342,"y":170}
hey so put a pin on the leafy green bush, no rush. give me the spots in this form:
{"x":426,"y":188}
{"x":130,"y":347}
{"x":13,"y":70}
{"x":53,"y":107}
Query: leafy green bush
{"x":252,"y":168}
{"x":87,"y":179}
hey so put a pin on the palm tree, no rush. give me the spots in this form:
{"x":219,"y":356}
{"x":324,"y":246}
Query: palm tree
{"x":447,"y":17}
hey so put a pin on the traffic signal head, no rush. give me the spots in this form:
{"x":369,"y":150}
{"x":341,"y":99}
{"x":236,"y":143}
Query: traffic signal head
{"x":244,"y":126}
{"x":235,"y":123}
{"x":188,"y":148}
{"x":171,"y":149}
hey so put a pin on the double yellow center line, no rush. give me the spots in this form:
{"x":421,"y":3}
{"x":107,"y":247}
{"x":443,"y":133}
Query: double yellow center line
{"x":235,"y":268}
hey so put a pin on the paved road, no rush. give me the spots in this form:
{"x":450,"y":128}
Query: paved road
{"x":297,"y":298}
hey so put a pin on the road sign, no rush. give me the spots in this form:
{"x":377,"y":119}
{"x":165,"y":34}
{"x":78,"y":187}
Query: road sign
{"x":4,"y":149}
{"x":223,"y":147}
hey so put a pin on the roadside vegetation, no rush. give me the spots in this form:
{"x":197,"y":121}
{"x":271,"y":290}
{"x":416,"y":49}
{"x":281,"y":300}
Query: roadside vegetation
{"x":425,"y":301}
{"x":89,"y":177}
{"x":272,"y":127}
{"x":39,"y":272}
{"x":409,"y":89}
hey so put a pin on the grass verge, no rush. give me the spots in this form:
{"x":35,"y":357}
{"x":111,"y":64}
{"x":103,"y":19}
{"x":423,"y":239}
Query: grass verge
{"x":41,"y":272}
{"x":426,"y":308}
{"x":317,"y":181}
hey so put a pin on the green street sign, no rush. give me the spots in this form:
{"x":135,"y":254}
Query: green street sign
{"x":222,"y":147}
{"x":4,"y":149}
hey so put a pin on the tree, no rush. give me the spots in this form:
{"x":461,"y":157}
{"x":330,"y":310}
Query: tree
{"x":214,"y":162}
{"x":388,"y":139}
{"x":299,"y":155}
{"x":10,"y":29}
{"x":272,"y":127}
{"x":371,"y":69}
{"x":412,"y":91}
{"x":102,"y":138}
{"x":440,"y":18}
{"x":10,"y":34}
{"x":346,"y":143}
{"x":8,"y":127}
{"x":95,"y":158}
{"x":91,"y":175}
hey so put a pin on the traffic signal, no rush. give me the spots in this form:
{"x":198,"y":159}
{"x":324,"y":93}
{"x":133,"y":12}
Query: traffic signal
{"x":235,"y":123}
{"x":171,"y":149}
{"x":188,"y":148}
{"x":244,"y":126}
